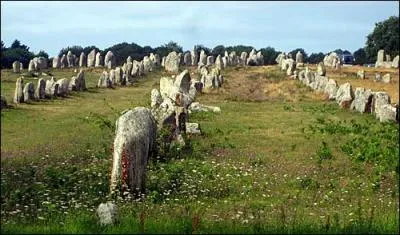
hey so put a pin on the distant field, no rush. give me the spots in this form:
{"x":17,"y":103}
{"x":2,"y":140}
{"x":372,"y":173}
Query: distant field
{"x":279,"y":158}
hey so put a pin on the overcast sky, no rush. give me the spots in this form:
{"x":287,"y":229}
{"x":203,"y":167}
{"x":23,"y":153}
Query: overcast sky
{"x":314,"y":26}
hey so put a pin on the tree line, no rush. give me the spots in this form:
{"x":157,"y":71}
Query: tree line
{"x":384,"y":36}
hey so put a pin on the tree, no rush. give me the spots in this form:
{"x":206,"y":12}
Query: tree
{"x":14,"y":54}
{"x":198,"y":49}
{"x":43,"y":54}
{"x":384,"y":36}
{"x":17,"y":44}
{"x":76,"y":50}
{"x":218,"y":50}
{"x":294,"y":52}
{"x":360,"y":57}
{"x":88,"y":49}
{"x":173,"y":46}
{"x":270,"y":55}
{"x":239,"y":49}
{"x":123,"y":50}
{"x":315,"y":58}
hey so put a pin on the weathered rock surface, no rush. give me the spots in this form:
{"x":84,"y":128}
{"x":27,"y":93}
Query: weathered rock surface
{"x":29,"y":92}
{"x":108,"y":213}
{"x":133,"y":145}
{"x":40,"y":92}
{"x":345,"y":95}
{"x":362,"y":100}
{"x":63,"y":87}
{"x":172,"y":62}
{"x":19,"y":91}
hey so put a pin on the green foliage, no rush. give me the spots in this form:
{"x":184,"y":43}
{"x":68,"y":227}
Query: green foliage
{"x":76,"y":50}
{"x":42,"y":54}
{"x":384,"y":36}
{"x":315,"y":58}
{"x":239,"y":49}
{"x":123,"y":50}
{"x":270,"y":55}
{"x":368,"y":141}
{"x":218,"y":50}
{"x":360,"y":57}
{"x":14,"y":54}
{"x":324,"y":153}
{"x":198,"y":49}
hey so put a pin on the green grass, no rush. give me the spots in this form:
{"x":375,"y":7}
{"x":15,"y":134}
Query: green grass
{"x":271,"y":166}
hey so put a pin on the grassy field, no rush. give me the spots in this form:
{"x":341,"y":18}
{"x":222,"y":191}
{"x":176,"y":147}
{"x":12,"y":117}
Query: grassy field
{"x":279,"y":158}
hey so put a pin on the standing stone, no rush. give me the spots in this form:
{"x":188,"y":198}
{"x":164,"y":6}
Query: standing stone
{"x":203,"y":58}
{"x":378,"y":77}
{"x":40,"y":92}
{"x":133,"y":145}
{"x":109,"y":60}
{"x":63,"y":61}
{"x":182,"y":81}
{"x":345,"y":95}
{"x":108,"y":213}
{"x":380,"y":58}
{"x":104,"y":80}
{"x":361,"y":74}
{"x":19,"y":91}
{"x":29,"y":92}
{"x":163,"y":61}
{"x":172,"y":62}
{"x":379,"y":100}
{"x":91,"y":58}
{"x":386,"y":78}
{"x":70,"y":59}
{"x":362,"y":100}
{"x":118,"y":76}
{"x":16,"y":67}
{"x":260,"y":59}
{"x":82,"y":60}
{"x":219,"y":63}
{"x":225,"y":61}
{"x":31,"y":66}
{"x":51,"y":88}
{"x":63,"y":87}
{"x":147,"y":64}
{"x":291,"y":67}
{"x":156,"y":98}
{"x":299,"y":58}
{"x":321,"y":69}
{"x":210,"y":60}
{"x":187,"y":59}
{"x":76,"y":60}
{"x":388,"y":59}
{"x":56,"y":62}
{"x":243,"y":58}
{"x":195,"y":57}
{"x":81,"y":81}
{"x":99,"y":60}
{"x":141,"y":68}
{"x":112,"y":77}
{"x":395,"y":62}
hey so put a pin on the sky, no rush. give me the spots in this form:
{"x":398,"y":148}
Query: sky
{"x":314,"y":26}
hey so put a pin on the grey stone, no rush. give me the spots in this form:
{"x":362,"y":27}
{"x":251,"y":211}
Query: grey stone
{"x":192,"y":128}
{"x":156,"y":98}
{"x":63,"y":87}
{"x":109,"y":60}
{"x":82,"y":60}
{"x":395,"y":62}
{"x":134,"y":143}
{"x":210,"y":60}
{"x":56,"y":62}
{"x":379,"y":100}
{"x":51,"y":88}
{"x":29,"y":92}
{"x":104,"y":80}
{"x":172,"y":62}
{"x":362,"y":100}
{"x":19,"y":91}
{"x":40,"y":92}
{"x":361,"y":74}
{"x":197,"y":107}
{"x":203,"y":58}
{"x":63,"y":61}
{"x":345,"y":95}
{"x":331,"y":89}
{"x":70,"y":59}
{"x":187,"y":59}
{"x":99,"y":60}
{"x":108,"y":213}
{"x":321,"y":69}
{"x":195,"y":57}
{"x":386,"y":78}
{"x":91,"y":58}
{"x":16,"y":67}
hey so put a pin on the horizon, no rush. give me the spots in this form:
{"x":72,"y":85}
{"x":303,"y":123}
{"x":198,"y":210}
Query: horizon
{"x":314,"y":26}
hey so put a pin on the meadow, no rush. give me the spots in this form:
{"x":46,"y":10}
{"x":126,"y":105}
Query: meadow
{"x":279,"y":158}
